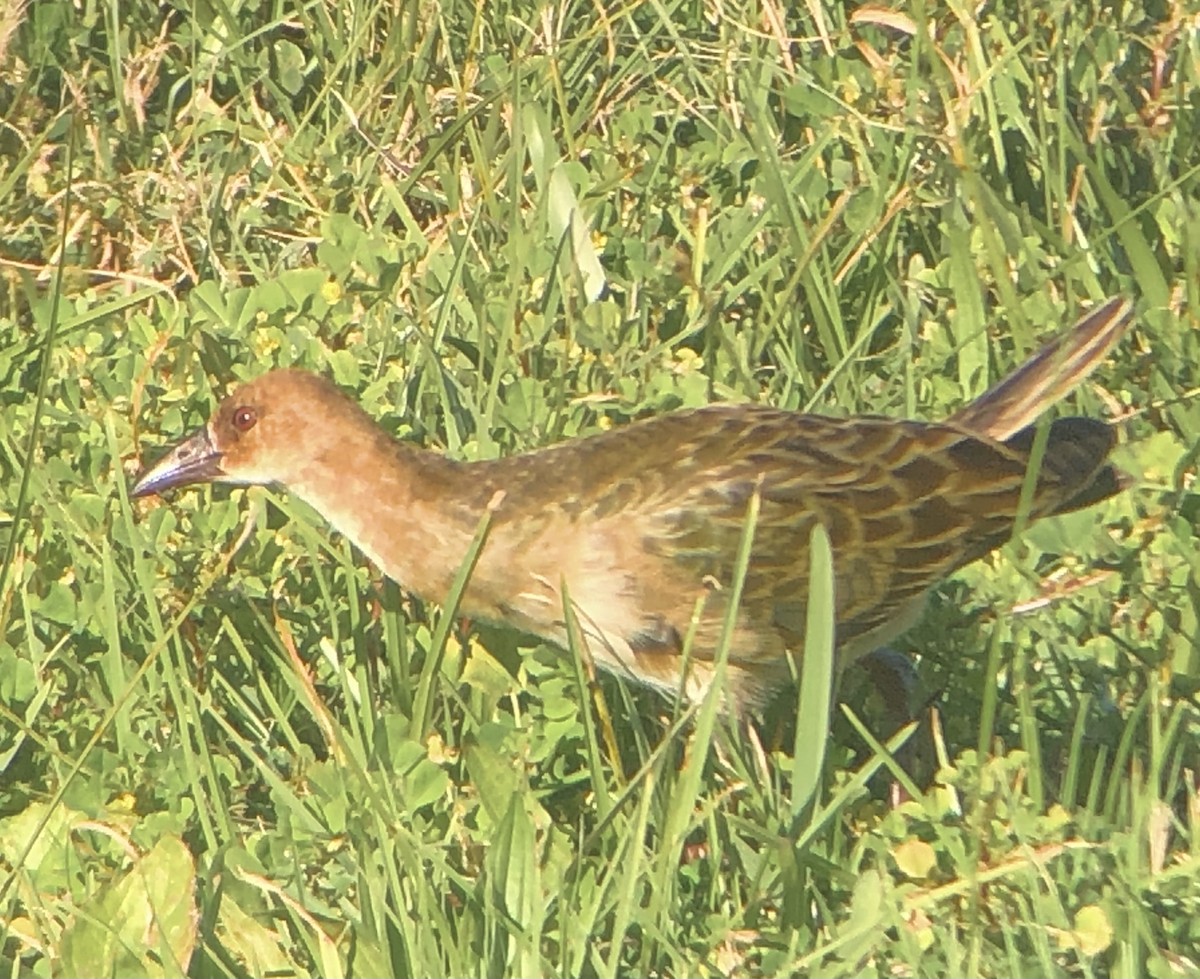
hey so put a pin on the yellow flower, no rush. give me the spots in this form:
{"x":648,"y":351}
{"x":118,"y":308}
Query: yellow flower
{"x":331,"y":291}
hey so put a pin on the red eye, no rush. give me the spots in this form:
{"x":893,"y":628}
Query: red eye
{"x":244,"y":418}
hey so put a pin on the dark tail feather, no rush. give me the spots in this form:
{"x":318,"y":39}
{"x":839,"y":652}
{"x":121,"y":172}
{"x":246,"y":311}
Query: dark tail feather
{"x":1076,"y":455}
{"x":1109,"y":481}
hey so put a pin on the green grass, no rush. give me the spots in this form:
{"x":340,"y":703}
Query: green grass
{"x":228,"y":747}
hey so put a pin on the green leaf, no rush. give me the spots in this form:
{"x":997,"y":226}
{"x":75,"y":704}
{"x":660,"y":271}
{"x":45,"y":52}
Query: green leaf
{"x":816,"y":674}
{"x":142,"y":924}
{"x":289,"y":60}
{"x":262,"y":950}
{"x":59,"y":604}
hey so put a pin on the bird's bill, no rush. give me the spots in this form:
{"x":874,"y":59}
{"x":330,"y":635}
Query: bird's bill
{"x":194,"y":460}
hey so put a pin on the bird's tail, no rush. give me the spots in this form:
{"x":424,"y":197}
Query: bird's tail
{"x":1018,"y":400}
{"x":1075,"y":452}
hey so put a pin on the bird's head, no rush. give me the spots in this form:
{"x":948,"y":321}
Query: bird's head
{"x":267,"y":431}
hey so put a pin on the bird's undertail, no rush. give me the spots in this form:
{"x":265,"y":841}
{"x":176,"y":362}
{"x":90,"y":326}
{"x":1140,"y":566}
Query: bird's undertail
{"x":1017,"y":401}
{"x":1076,"y":454}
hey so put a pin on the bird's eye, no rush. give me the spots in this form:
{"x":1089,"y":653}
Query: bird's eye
{"x":244,"y":418}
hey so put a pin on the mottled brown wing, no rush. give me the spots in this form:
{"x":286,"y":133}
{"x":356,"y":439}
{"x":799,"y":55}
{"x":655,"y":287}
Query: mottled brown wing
{"x":905,"y":504}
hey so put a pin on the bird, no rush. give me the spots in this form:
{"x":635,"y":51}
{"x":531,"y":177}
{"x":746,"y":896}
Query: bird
{"x":640,"y":524}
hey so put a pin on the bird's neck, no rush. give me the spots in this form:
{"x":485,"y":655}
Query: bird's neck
{"x":395,"y":502}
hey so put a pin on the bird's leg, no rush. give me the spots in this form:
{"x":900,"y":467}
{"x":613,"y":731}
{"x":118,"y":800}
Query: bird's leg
{"x":895,"y":680}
